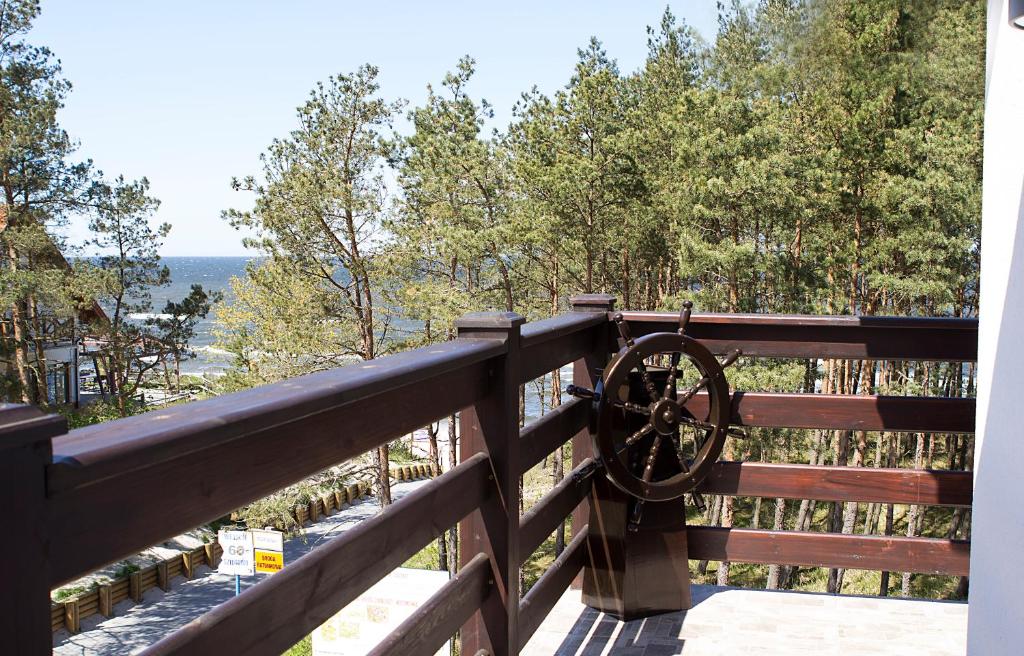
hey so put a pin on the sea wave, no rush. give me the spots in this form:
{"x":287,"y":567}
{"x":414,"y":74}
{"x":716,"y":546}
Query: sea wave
{"x":146,"y":316}
{"x":211,"y":350}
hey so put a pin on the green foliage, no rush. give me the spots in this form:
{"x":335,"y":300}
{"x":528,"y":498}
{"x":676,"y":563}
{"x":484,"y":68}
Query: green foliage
{"x":318,"y":215}
{"x":303,"y":647}
{"x":125,"y":569}
{"x":63,"y":594}
{"x":40,"y":187}
{"x":96,"y":412}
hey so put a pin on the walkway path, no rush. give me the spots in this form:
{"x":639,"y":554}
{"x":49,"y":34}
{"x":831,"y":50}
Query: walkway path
{"x":136,"y":626}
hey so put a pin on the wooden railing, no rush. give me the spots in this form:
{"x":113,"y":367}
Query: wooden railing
{"x":862,"y":338}
{"x":211,"y":457}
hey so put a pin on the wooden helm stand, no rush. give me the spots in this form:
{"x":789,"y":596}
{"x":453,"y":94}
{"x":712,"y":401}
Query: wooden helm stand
{"x":654,"y":451}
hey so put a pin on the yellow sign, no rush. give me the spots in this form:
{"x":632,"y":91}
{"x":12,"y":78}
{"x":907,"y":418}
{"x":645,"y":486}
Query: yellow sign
{"x":268,"y":561}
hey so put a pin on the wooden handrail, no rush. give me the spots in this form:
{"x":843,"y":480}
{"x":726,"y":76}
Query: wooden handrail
{"x":788,"y":336}
{"x":203,"y":484}
{"x":551,"y":343}
{"x":87,"y":455}
{"x":828,"y":483}
{"x":272,"y":616}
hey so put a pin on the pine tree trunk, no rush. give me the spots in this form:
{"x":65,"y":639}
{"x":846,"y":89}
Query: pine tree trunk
{"x":381,"y":462}
{"x":727,"y":502}
{"x":37,"y":340}
{"x":453,"y":534}
{"x":775,"y":571}
{"x":713,"y":511}
{"x":558,"y":458}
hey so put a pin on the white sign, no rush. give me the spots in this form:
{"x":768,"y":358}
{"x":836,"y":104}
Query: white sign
{"x":358,"y":627}
{"x":237,"y":557}
{"x":267,"y":540}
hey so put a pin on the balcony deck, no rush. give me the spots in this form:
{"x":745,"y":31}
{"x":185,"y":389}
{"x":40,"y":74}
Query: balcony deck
{"x":748,"y":622}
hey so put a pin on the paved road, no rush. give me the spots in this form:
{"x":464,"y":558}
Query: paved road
{"x":136,"y":626}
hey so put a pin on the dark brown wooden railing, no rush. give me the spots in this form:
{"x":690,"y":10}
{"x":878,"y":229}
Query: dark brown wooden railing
{"x":211,"y":457}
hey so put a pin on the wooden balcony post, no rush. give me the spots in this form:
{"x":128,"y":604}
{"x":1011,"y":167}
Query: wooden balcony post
{"x":25,"y":451}
{"x":585,"y":373}
{"x":491,"y":426}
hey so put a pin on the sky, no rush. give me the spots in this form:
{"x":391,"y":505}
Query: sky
{"x":188,"y":94}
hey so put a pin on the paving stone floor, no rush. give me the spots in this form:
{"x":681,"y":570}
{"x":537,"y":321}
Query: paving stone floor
{"x":735,"y":621}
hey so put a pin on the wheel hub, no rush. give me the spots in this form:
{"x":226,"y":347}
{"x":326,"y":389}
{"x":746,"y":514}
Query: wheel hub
{"x":665,"y":416}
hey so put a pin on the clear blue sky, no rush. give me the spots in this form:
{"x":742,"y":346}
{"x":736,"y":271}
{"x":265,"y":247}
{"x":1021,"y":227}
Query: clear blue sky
{"x":189,"y":94}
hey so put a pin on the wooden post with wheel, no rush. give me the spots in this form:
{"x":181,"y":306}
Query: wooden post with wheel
{"x":653,"y":450}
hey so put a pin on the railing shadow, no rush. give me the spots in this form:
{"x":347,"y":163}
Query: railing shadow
{"x":595,"y":633}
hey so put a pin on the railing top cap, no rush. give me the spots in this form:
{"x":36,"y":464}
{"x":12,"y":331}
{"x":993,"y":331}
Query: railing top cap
{"x":21,"y":425}
{"x":490,"y":320}
{"x":596,"y":301}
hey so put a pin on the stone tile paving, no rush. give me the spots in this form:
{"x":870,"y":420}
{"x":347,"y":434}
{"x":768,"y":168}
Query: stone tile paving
{"x":134,"y":627}
{"x":756,"y":622}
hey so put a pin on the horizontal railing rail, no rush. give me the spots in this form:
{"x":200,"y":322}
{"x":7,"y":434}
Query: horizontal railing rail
{"x":433,"y":623}
{"x":863,"y":412}
{"x":277,"y":613}
{"x":872,"y":552}
{"x":541,"y":520}
{"x":799,"y":336}
{"x":220,"y":454}
{"x":927,"y":487}
{"x":541,"y":598}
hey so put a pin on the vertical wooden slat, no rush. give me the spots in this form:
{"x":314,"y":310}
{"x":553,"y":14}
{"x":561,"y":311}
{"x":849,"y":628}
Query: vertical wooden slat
{"x":135,"y":586}
{"x":491,"y":426}
{"x":71,"y":616}
{"x":211,"y":555}
{"x":585,"y":373}
{"x":161,"y":576}
{"x":186,"y":565}
{"x":106,"y":606}
{"x":25,"y":450}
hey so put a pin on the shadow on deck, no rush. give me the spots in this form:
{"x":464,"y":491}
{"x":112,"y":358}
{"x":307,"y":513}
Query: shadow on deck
{"x":736,"y":621}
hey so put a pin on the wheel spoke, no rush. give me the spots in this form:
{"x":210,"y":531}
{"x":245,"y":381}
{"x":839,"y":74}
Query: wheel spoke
{"x":652,"y":455}
{"x":690,"y":393}
{"x":678,"y":448}
{"x":697,"y":423}
{"x":670,"y":383}
{"x":635,"y":437}
{"x":648,"y":383}
{"x":695,"y":497}
{"x":633,"y":407}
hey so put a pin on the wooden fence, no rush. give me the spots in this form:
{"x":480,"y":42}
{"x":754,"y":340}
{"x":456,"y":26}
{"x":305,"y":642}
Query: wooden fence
{"x":68,"y":489}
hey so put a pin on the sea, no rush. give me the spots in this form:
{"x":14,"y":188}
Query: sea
{"x":214,"y":274}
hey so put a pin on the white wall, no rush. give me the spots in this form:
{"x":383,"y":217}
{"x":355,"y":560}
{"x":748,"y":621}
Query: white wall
{"x":996,"y":609}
